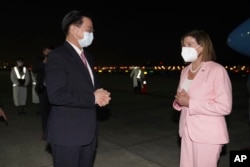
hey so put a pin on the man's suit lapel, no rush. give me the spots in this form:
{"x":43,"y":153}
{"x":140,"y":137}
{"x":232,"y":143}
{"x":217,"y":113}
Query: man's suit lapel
{"x":76,"y":58}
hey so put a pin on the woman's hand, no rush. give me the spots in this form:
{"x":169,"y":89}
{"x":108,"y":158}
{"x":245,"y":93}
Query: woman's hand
{"x":182,"y":98}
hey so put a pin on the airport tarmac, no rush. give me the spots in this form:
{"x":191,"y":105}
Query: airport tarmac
{"x":141,"y":130}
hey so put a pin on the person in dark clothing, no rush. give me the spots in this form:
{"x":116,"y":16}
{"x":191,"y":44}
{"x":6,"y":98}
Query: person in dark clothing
{"x":74,"y":92}
{"x":40,"y":88}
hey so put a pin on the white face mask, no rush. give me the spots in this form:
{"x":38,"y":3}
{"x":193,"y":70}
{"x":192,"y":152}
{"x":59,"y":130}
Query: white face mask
{"x":87,"y":39}
{"x":189,"y":54}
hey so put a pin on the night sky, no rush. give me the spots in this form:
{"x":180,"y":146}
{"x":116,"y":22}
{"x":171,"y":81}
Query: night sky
{"x":125,"y":34}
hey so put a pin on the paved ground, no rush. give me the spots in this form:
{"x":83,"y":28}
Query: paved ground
{"x":141,"y":130}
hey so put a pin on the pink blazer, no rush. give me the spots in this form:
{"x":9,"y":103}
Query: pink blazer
{"x":210,"y":100}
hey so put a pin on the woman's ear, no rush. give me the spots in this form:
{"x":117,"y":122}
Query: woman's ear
{"x":199,"y":49}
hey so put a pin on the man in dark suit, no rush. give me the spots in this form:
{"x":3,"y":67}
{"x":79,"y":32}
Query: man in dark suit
{"x":74,"y":93}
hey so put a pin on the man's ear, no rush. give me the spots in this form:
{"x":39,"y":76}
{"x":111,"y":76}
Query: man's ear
{"x":72,"y":29}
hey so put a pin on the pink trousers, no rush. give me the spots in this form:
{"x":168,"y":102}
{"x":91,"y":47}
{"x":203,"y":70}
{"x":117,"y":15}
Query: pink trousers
{"x":198,"y":154}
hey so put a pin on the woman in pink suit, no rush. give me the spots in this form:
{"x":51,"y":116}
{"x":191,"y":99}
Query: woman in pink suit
{"x":204,"y":97}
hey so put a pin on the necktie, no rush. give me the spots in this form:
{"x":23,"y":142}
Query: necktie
{"x":84,"y":60}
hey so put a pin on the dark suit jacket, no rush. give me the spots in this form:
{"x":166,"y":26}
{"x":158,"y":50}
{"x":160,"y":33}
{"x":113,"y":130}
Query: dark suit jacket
{"x":39,"y":68}
{"x":72,"y":120}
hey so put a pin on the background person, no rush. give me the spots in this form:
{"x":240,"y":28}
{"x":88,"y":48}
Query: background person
{"x":40,"y":87}
{"x":137,"y":76}
{"x":35,"y":98}
{"x":20,"y":79}
{"x":204,"y":98}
